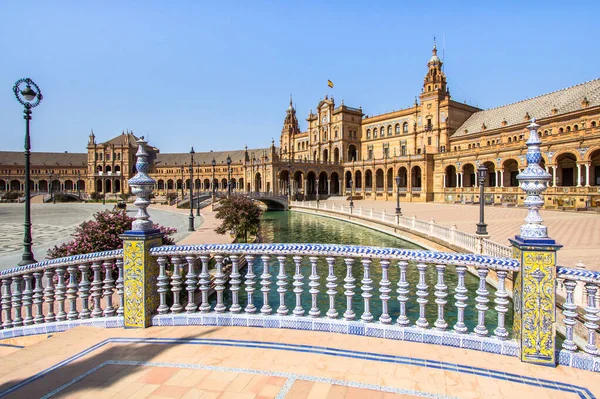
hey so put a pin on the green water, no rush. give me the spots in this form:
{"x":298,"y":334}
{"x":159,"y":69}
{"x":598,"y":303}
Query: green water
{"x":295,"y":227}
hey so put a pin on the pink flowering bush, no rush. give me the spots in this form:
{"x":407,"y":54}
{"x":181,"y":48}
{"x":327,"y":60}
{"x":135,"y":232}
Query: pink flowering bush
{"x":102,"y":234}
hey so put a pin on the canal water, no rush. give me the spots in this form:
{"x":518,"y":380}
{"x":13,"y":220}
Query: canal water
{"x":296,"y":227}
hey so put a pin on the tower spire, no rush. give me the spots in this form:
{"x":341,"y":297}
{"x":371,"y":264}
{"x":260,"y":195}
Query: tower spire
{"x":434,"y":46}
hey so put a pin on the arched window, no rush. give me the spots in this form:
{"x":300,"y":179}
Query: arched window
{"x":568,"y":128}
{"x":336,"y":134}
{"x":389,"y":130}
{"x":576,"y":127}
{"x":397,"y":128}
{"x":509,"y":140}
{"x":561,"y":130}
{"x":405,"y":127}
{"x":368,"y":133}
{"x":381,"y":132}
{"x":594,"y":124}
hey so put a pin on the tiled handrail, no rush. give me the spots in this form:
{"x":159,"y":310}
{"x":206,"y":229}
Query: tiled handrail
{"x":87,"y":283}
{"x":192,"y":263}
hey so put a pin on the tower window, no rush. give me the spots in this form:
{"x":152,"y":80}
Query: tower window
{"x":428,"y":140}
{"x":405,"y":127}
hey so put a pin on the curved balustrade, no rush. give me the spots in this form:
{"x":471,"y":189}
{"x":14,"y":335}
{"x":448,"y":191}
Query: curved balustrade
{"x":340,"y":288}
{"x":69,"y":289}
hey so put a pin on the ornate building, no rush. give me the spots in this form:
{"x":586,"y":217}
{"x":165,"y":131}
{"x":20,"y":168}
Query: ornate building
{"x":435,"y":147}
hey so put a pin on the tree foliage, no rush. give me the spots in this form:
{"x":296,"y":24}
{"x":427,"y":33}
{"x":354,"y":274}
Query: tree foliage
{"x":239,"y":215}
{"x":102,"y":234}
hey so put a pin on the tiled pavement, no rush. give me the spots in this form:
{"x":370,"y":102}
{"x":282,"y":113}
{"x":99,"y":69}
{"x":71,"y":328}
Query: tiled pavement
{"x":218,"y":362}
{"x":578,"y":232}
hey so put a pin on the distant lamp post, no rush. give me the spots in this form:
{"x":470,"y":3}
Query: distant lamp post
{"x":228,"y":175}
{"x":30,"y":98}
{"x":191,"y":218}
{"x":50,"y":187}
{"x":398,"y":210}
{"x":317,"y":189}
{"x":481,"y":175}
{"x":78,"y":185}
{"x":351,"y":196}
{"x":182,"y":182}
{"x":198,"y":196}
{"x":53,"y":195}
{"x":214,"y":164}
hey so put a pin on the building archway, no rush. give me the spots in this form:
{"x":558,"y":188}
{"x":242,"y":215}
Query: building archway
{"x":416,"y":177}
{"x":160,"y":184}
{"x":368,"y":180}
{"x":510,"y":170}
{"x":206,"y":185}
{"x":379,"y":180}
{"x":257,"y":182}
{"x":390,"y":179}
{"x":42,"y":185}
{"x":326,"y":155}
{"x":490,"y":180}
{"x":98,"y":186}
{"x":595,"y":168}
{"x":81,"y":185}
{"x":310,"y":188}
{"x":297,"y":182}
{"x":566,"y":170}
{"x":285,"y":182}
{"x":358,"y":179}
{"x":224,"y":184}
{"x":336,"y":155}
{"x":68,"y":185}
{"x":352,"y":153}
{"x":169,"y":184}
{"x":348,"y":175}
{"x":403,"y":173}
{"x":117,"y":186}
{"x":335,"y":184}
{"x":108,"y":186}
{"x":450,"y":176}
{"x":469,"y":175}
{"x":323,"y":180}
{"x":15,"y":185}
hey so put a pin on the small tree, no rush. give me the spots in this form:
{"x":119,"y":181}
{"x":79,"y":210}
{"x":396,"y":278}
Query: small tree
{"x":102,"y":234}
{"x":239,"y":215}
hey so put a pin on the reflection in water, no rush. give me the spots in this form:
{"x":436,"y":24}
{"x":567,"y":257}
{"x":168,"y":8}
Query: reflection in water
{"x":294,"y":227}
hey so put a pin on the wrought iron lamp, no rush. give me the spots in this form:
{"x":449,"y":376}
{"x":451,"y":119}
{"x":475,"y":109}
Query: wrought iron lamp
{"x":228,"y":175}
{"x":398,"y":210}
{"x":30,"y":98}
{"x":214,"y":164}
{"x":481,"y":175}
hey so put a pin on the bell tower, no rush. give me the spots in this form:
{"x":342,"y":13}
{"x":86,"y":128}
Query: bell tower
{"x":290,"y":129}
{"x":435,"y":80}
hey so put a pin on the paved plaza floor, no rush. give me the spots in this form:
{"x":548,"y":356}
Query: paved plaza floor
{"x":246,"y":363}
{"x":53,"y":224}
{"x":578,"y":232}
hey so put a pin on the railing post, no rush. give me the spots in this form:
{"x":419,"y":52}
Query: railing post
{"x":140,"y":269}
{"x":534,"y":288}
{"x":453,"y":234}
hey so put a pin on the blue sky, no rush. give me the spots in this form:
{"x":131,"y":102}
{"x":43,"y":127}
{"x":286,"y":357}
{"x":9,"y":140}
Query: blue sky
{"x":218,"y":74}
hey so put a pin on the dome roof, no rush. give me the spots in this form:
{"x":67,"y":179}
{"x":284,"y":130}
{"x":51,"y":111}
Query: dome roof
{"x":434,"y":58}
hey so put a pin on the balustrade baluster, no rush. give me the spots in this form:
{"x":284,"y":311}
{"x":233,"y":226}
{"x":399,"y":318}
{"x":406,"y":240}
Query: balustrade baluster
{"x":250,"y":308}
{"x":331,"y":287}
{"x":84,"y":291}
{"x":266,"y":284}
{"x":28,"y":300}
{"x":97,"y":288}
{"x":281,"y":286}
{"x":461,"y":300}
{"x":314,"y":287}
{"x":16,"y":301}
{"x":298,"y":277}
{"x":109,"y":286}
{"x":367,"y":287}
{"x":120,"y":288}
{"x":349,"y":289}
{"x":422,"y":294}
{"x":219,"y":284}
{"x":162,"y":284}
{"x":441,"y":292}
{"x":59,"y":294}
{"x":570,"y":313}
{"x":6,"y":305}
{"x":49,"y":295}
{"x":191,"y":283}
{"x":235,"y":284}
{"x":482,"y":300}
{"x":501,"y":302}
{"x":176,"y":281}
{"x":403,"y":293}
{"x":38,"y":298}
{"x":384,"y":289}
{"x":591,"y":319}
{"x":72,"y":293}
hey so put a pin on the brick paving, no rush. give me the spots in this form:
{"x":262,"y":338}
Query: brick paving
{"x":578,"y":232}
{"x":202,"y":365}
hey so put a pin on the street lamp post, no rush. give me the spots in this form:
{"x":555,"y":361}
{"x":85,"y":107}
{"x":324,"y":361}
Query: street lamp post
{"x":191,"y":218}
{"x":198,"y":194}
{"x":398,"y":210}
{"x":182,"y":182}
{"x":228,"y":175}
{"x":54,"y":196}
{"x":351,"y":196}
{"x":317,"y":189}
{"x":481,"y":174}
{"x":78,"y":185}
{"x":50,"y":187}
{"x":29,"y":98}
{"x":214,"y":164}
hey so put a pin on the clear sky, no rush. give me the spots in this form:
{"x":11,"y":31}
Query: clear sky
{"x":218,"y":74}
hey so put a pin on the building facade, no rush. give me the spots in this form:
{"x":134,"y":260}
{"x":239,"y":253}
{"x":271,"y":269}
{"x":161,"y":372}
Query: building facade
{"x":434,"y":147}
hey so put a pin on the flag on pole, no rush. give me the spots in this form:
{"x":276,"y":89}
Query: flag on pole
{"x":329,"y":83}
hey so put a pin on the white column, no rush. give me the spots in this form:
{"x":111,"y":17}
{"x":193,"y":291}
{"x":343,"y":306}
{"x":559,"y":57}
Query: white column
{"x":578,"y":175}
{"x":305,"y":186}
{"x":587,"y":175}
{"x":461,"y":180}
{"x":457,"y":180}
{"x":554,"y":176}
{"x":502,"y":178}
{"x":328,"y":187}
{"x":444,"y":180}
{"x":497,"y":177}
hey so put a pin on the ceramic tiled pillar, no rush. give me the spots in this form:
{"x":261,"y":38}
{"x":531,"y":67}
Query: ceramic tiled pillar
{"x":534,"y":298}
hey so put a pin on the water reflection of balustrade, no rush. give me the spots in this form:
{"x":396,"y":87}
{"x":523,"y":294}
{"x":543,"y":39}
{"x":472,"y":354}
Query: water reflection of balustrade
{"x":79,"y":287}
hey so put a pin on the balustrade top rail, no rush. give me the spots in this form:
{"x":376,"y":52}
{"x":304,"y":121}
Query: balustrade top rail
{"x":64,"y":261}
{"x":350,"y":251}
